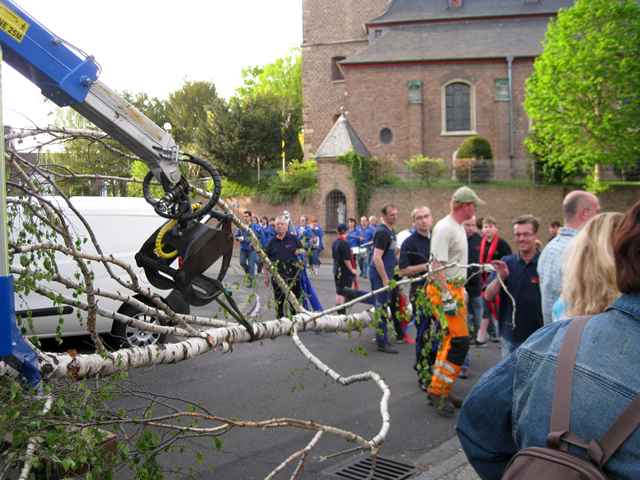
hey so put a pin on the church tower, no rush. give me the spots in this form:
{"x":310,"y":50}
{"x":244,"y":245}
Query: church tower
{"x":332,"y":30}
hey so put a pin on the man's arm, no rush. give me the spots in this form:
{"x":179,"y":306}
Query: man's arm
{"x":440,"y":254}
{"x":350,"y":268}
{"x":377,"y":262}
{"x":412,"y":270}
{"x":494,"y":287}
{"x":485,"y":421}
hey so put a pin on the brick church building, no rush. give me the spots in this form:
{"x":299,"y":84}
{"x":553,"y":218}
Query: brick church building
{"x":420,"y":76}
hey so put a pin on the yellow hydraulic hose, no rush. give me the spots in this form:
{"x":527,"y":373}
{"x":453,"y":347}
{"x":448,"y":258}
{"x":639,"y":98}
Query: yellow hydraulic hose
{"x":159,"y":250}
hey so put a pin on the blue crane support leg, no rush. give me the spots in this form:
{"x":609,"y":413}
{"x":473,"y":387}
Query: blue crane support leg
{"x":14,"y":349}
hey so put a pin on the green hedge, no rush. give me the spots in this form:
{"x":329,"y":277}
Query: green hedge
{"x":299,"y":181}
{"x":475,"y":147}
{"x":425,"y":168}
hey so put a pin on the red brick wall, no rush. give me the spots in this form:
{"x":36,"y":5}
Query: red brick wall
{"x":503,"y":203}
{"x":377,"y":98}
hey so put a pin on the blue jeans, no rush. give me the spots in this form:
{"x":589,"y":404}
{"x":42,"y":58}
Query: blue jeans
{"x":474,"y":317}
{"x":315,"y":256}
{"x":476,"y":311}
{"x":249,"y":262}
{"x":363,"y":262}
{"x":508,"y":346}
{"x":381,"y":304}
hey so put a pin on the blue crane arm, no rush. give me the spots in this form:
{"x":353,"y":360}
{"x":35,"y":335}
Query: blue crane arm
{"x":70,"y":78}
{"x":62,"y":74}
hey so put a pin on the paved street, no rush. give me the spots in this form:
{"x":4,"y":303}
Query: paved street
{"x":271,"y":379}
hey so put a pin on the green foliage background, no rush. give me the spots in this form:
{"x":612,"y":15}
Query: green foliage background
{"x":475,"y":147}
{"x":584,"y":94}
{"x":300,"y":180}
{"x":366,"y":173}
{"x":427,"y":169}
{"x":260,"y":125}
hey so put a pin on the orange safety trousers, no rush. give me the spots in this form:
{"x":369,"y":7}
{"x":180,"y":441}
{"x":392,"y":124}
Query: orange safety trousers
{"x":454,"y":344}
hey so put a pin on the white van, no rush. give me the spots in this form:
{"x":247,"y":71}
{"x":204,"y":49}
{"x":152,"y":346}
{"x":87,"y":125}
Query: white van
{"x":121,"y":225}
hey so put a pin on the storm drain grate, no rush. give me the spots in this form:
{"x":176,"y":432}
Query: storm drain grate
{"x":362,"y":468}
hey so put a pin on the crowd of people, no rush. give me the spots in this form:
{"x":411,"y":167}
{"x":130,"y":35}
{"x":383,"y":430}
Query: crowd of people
{"x":308,"y":231}
{"x":569,"y":390}
{"x":480,"y":289}
{"x":529,"y":296}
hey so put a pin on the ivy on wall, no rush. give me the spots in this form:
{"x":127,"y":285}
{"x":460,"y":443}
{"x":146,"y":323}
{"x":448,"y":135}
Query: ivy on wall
{"x":364,"y":173}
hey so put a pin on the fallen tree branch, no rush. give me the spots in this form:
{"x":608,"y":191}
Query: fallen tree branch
{"x":302,"y":453}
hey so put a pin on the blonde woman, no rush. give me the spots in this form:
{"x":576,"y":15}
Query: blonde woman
{"x":589,"y":277}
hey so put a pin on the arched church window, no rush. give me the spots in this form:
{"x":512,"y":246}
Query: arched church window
{"x":458,"y":107}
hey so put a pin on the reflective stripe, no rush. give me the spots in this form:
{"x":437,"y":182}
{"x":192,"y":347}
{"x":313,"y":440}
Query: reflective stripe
{"x":446,"y":365}
{"x":442,"y":376}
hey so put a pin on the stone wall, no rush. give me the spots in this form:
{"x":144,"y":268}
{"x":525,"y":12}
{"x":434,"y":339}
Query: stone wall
{"x":503,"y":203}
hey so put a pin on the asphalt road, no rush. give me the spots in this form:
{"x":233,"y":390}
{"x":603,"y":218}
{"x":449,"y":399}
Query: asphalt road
{"x":272,"y":379}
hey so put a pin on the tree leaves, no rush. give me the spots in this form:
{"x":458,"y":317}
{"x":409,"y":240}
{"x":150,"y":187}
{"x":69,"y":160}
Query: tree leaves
{"x":583,"y":96}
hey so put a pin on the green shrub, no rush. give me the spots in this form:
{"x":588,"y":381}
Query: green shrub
{"x":475,"y":147}
{"x":300,"y":180}
{"x":233,"y":189}
{"x":427,"y":169}
{"x":474,"y":161}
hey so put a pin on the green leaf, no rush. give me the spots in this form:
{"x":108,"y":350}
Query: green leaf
{"x":68,"y":464}
{"x":217,"y":442}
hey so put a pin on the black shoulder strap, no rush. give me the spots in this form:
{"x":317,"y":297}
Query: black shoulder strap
{"x":560,"y":434}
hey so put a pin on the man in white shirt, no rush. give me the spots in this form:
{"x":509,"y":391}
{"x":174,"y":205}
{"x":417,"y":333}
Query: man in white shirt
{"x":446,"y":293}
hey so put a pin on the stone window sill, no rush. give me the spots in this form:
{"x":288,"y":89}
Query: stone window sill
{"x":464,"y":133}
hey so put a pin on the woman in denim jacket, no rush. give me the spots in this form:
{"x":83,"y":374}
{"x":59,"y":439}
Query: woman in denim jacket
{"x":510,"y":407}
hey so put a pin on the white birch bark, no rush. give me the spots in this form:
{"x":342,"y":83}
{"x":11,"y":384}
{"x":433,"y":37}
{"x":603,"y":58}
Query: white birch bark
{"x":61,"y":365}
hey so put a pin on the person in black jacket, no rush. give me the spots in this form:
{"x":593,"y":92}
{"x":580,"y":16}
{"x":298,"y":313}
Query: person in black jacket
{"x":283,"y":250}
{"x":415,"y":254}
{"x":492,"y":247}
{"x":473,"y":287}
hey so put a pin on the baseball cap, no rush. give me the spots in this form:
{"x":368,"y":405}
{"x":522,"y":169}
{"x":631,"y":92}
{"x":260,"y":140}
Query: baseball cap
{"x":341,"y":228}
{"x":466,"y":195}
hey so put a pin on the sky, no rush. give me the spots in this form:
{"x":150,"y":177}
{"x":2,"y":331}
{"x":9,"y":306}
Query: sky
{"x":154,"y":46}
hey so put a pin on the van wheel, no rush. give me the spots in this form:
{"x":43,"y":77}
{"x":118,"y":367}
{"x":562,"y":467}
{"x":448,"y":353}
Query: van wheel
{"x":127,"y":336}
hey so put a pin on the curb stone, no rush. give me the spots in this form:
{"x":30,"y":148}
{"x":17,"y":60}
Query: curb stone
{"x":446,"y":462}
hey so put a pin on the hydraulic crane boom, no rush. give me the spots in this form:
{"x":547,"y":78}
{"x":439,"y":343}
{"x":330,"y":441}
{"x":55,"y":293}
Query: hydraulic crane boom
{"x":68,"y":77}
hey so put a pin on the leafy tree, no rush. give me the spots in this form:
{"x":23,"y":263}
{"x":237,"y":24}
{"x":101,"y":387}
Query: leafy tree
{"x":188,"y":110}
{"x":152,"y":107}
{"x":584,"y":94}
{"x":100,"y":157}
{"x":240,"y":133}
{"x":280,"y":85}
{"x":89,"y":156}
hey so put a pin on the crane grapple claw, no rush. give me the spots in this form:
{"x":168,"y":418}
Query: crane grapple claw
{"x":198,"y":247}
